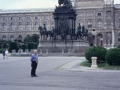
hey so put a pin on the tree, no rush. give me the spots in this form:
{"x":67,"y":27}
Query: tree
{"x":30,"y":46}
{"x":35,"y":38}
{"x":24,"y":47}
{"x":13,"y":46}
{"x":35,"y":45}
{"x":28,"y":39}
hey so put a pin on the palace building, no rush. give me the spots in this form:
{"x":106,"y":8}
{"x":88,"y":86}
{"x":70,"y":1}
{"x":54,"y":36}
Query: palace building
{"x":101,"y":15}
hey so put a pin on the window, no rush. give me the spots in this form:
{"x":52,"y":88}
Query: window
{"x":108,"y":13}
{"x":28,"y":26}
{"x":45,"y":17}
{"x":89,"y":23}
{"x":28,"y":18}
{"x":4,"y":26}
{"x":108,"y":22}
{"x":118,"y":14}
{"x":12,"y":38}
{"x":4,"y":19}
{"x":81,"y":22}
{"x":20,"y":37}
{"x":28,"y":23}
{"x":36,"y":25}
{"x":52,"y":17}
{"x":99,"y":23}
{"x":81,"y":14}
{"x":99,"y":14}
{"x":36,"y":17}
{"x":53,"y":24}
{"x":89,"y":14}
{"x":12,"y":26}
{"x":11,"y":18}
{"x":20,"y":18}
{"x":119,"y":23}
{"x":119,"y":37}
{"x":20,"y":26}
{"x":3,"y":37}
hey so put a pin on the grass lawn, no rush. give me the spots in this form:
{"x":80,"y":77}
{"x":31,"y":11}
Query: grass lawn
{"x":101,"y":65}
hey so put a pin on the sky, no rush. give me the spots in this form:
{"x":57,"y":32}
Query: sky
{"x":26,"y":4}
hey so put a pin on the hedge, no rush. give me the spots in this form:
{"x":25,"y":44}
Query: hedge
{"x":100,"y":53}
{"x":30,"y":46}
{"x":24,"y":47}
{"x":13,"y":46}
{"x":113,"y":56}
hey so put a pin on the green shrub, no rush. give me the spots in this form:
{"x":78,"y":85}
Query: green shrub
{"x":13,"y":46}
{"x":1,"y":50}
{"x":113,"y":56}
{"x":30,"y":46}
{"x":24,"y":47}
{"x":118,"y":46}
{"x":100,"y":53}
{"x":35,"y":45}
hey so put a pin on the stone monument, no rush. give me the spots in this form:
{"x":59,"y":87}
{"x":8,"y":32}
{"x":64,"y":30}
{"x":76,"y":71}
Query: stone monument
{"x":64,"y":36}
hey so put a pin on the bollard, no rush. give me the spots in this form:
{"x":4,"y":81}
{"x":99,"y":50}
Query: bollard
{"x":94,"y":62}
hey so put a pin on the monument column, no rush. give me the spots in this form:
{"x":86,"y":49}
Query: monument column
{"x":70,"y":25}
{"x":56,"y":24}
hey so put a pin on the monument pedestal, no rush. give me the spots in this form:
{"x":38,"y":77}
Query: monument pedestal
{"x":57,"y":46}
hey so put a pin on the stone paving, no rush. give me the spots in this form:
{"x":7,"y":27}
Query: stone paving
{"x":15,"y":75}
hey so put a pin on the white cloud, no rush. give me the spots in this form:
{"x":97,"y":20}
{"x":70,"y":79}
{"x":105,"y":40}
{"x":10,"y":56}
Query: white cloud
{"x":31,"y":4}
{"x":23,"y":4}
{"x":117,"y":1}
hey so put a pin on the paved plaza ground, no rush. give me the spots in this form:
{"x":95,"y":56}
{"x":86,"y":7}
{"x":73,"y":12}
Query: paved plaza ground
{"x":15,"y":75}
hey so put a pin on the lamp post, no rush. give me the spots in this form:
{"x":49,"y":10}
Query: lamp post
{"x":113,"y":37}
{"x":94,"y":58}
{"x":101,"y":41}
{"x":105,"y":28}
{"x":94,"y":40}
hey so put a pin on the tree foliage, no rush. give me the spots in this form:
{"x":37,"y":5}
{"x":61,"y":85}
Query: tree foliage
{"x":34,"y":38}
{"x":113,"y":56}
{"x":30,"y":46}
{"x":100,"y":53}
{"x":13,"y":46}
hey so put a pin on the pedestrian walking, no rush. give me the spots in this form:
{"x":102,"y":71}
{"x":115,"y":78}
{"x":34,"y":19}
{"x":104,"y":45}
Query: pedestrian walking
{"x":6,"y":54}
{"x":3,"y":52}
{"x":34,"y":63}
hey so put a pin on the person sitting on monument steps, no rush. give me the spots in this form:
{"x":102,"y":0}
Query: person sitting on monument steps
{"x":34,"y":63}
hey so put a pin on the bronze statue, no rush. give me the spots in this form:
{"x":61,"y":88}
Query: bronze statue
{"x":64,"y":2}
{"x":60,"y":2}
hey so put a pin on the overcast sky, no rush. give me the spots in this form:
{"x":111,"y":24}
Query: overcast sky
{"x":23,"y":4}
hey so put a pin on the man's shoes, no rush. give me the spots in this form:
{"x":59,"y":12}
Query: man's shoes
{"x":35,"y":76}
{"x":32,"y":75}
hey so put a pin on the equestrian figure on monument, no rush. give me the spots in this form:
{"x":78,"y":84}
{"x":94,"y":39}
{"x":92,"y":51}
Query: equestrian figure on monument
{"x":64,"y":2}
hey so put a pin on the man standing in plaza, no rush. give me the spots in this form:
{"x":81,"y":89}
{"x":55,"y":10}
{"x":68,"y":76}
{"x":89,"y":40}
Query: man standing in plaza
{"x":34,"y":62}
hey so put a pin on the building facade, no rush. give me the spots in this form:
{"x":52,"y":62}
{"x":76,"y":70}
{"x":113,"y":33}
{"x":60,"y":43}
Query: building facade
{"x":101,"y":15}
